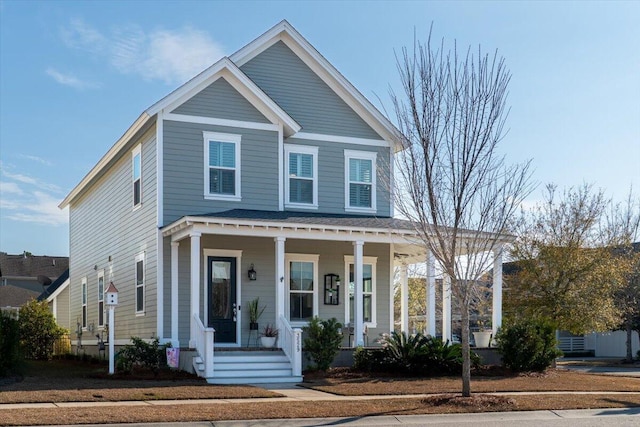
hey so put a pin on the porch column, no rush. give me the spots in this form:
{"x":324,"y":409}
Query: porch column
{"x":496,"y":312}
{"x":446,"y":308}
{"x":195,"y":284}
{"x":431,"y":295}
{"x":404,"y":299}
{"x":175,"y":342}
{"x":280,"y":269}
{"x":358,"y":339}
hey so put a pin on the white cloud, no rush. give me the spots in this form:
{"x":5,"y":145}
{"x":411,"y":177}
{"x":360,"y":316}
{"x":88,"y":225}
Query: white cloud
{"x":172,"y":56}
{"x":40,"y":208}
{"x":26,"y":179}
{"x":9,"y":187}
{"x":35,"y":159}
{"x":70,"y":80}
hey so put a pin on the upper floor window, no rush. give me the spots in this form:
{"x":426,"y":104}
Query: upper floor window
{"x":222,"y":166}
{"x":360,"y":182}
{"x":139,"y":282}
{"x":136,"y":166}
{"x":101,"y":298}
{"x":301,"y":185}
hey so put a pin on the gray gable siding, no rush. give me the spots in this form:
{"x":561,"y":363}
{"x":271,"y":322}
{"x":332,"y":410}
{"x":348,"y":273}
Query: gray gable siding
{"x":331,"y":175}
{"x":103,"y":224}
{"x":221,"y":100}
{"x":303,"y":95}
{"x":184,"y":170}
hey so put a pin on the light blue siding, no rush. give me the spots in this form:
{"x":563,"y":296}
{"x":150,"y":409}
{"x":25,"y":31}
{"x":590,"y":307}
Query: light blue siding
{"x":303,"y":95}
{"x":220,"y":100}
{"x":184,"y":170}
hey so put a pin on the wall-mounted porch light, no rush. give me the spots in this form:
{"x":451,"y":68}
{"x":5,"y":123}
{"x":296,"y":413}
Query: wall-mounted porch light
{"x":252,"y":273}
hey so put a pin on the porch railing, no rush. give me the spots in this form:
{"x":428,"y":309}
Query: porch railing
{"x":291,"y":344}
{"x":203,"y":338}
{"x":569,"y":344}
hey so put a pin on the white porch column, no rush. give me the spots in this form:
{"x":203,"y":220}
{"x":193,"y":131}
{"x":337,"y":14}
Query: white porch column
{"x":280,"y":269}
{"x":446,"y":308}
{"x":431,"y":295}
{"x":404,"y":299}
{"x":358,"y":339}
{"x":174,"y":294}
{"x":496,"y":312}
{"x":195,"y":284}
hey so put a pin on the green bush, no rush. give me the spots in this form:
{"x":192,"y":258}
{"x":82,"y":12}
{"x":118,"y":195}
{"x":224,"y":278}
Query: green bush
{"x":528,"y":345}
{"x":371,"y":360}
{"x":11,"y":359}
{"x":322,"y":342}
{"x":141,"y":354}
{"x":38,"y":330}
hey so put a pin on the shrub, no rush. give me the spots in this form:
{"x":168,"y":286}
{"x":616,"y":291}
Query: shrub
{"x":322,"y":342}
{"x":38,"y":330}
{"x":141,"y":354}
{"x":371,"y":360}
{"x":11,"y":359}
{"x":528,"y":345}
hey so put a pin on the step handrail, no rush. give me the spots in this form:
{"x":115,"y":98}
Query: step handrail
{"x":204,"y":338}
{"x":291,"y":344}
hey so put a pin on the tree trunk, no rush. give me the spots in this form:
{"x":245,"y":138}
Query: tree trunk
{"x":466,"y":355}
{"x":629,"y":344}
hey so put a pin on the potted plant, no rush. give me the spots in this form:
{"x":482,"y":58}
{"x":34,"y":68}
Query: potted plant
{"x":269,"y":335}
{"x":254,"y":313}
{"x":482,"y":337}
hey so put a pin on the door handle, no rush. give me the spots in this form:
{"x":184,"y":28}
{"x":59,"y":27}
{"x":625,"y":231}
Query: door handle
{"x":235,"y":313}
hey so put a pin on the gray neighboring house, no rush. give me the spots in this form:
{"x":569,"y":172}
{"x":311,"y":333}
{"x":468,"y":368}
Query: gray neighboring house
{"x":265,"y":176}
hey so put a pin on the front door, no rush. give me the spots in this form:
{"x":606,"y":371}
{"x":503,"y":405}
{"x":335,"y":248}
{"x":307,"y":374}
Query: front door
{"x":222,"y":298}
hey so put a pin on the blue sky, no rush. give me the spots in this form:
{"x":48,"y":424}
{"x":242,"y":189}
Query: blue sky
{"x":74,"y":76}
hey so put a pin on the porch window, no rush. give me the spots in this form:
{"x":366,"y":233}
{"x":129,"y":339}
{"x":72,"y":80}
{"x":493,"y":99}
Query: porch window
{"x":301,"y":186}
{"x":360,"y":182}
{"x":101,"y":298}
{"x":136,"y":166}
{"x":222,"y":166}
{"x":84,"y":302}
{"x":368,"y":290}
{"x":303,"y":296}
{"x":139,"y":281}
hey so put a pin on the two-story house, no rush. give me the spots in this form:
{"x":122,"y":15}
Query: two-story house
{"x":267,"y":175}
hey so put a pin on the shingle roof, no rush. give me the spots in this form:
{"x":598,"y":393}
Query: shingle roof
{"x":25,"y":265}
{"x":54,"y":286}
{"x":13,"y":296}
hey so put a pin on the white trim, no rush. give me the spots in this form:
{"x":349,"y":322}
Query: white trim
{"x":140,"y":257}
{"x":84,"y":303}
{"x":370,"y":260}
{"x":288,"y":259}
{"x":137,"y":151}
{"x":225,"y":138}
{"x":222,"y":122}
{"x":360,"y":155}
{"x":101,"y":297}
{"x":281,"y":173}
{"x":175,"y":307}
{"x":237,"y":254}
{"x":58,"y":291}
{"x":301,"y":149}
{"x":342,"y":139}
{"x":391,"y":285}
{"x":160,"y":220}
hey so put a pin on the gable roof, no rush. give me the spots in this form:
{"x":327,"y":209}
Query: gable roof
{"x":25,"y":265}
{"x":56,"y":287}
{"x":13,"y":296}
{"x":228,"y":67}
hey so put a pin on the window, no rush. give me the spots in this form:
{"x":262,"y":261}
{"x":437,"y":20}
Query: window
{"x":301,"y":185}
{"x":136,"y":166}
{"x":84,"y":302}
{"x":368,"y":290}
{"x":302,"y":272}
{"x":360,"y":182}
{"x":101,"y":298}
{"x":140,"y":284}
{"x":222,"y":166}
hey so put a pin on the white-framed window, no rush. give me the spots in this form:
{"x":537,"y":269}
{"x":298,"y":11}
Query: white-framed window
{"x":221,"y":166}
{"x":139,"y":283}
{"x":360,"y":181}
{"x":101,"y":298}
{"x":84,"y":303}
{"x":302,"y":292}
{"x":301,"y":185}
{"x":136,"y":174}
{"x":368,"y":290}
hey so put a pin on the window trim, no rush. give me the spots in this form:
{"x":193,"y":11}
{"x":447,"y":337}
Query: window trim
{"x":360,"y":155}
{"x":229,"y":138}
{"x":300,"y":149}
{"x":101,"y":311}
{"x":136,"y":152}
{"x":371,"y":260}
{"x":84,"y":297}
{"x":140,"y":257}
{"x":288,"y":259}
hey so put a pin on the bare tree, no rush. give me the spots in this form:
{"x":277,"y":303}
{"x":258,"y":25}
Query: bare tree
{"x":450,"y":180}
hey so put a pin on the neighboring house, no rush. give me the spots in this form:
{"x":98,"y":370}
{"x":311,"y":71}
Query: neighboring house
{"x":57,"y":295}
{"x":13,"y":297}
{"x":269,"y":163}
